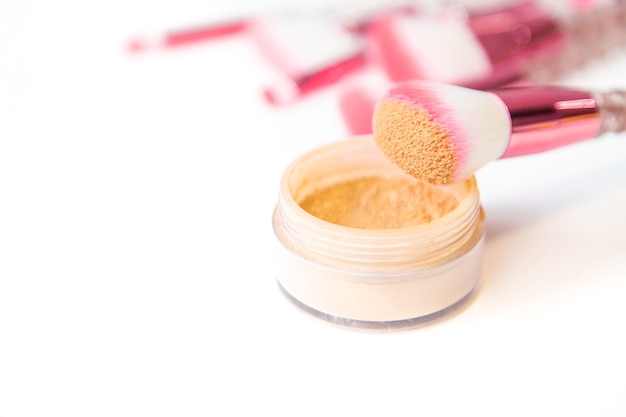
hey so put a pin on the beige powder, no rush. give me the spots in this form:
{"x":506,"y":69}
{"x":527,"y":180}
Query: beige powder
{"x":379,"y":203}
{"x":414,"y":142}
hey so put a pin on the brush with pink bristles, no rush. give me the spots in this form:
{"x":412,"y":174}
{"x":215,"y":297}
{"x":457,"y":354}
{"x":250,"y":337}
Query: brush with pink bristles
{"x":443,"y":133}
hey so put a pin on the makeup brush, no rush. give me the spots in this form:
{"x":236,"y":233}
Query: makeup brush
{"x":443,"y":133}
{"x":483,"y":48}
{"x":180,"y":37}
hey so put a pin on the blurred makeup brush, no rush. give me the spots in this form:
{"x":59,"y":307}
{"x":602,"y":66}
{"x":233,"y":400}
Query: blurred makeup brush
{"x":184,"y":36}
{"x":443,"y":133}
{"x":485,"y":47}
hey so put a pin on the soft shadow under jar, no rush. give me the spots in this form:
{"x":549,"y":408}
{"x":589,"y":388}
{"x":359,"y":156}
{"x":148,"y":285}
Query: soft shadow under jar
{"x":403,"y":260}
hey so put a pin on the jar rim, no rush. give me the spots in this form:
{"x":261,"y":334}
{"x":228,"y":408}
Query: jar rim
{"x":470,"y":188}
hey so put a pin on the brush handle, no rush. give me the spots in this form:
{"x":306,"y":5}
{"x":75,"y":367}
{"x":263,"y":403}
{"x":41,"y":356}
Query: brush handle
{"x":544,"y":118}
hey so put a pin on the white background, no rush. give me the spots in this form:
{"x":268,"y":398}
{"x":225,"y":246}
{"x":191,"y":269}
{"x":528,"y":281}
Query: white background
{"x":136,"y":248}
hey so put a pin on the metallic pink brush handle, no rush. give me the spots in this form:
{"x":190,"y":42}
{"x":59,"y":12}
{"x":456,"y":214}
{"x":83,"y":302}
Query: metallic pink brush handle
{"x":544,"y":118}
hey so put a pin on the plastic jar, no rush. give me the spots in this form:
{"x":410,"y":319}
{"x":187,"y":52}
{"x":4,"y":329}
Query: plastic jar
{"x":369,"y":278}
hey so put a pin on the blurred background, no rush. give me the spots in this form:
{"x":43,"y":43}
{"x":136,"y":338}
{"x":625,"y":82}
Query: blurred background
{"x":141,"y":148}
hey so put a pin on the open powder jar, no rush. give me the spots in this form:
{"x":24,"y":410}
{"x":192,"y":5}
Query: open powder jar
{"x":363,"y":244}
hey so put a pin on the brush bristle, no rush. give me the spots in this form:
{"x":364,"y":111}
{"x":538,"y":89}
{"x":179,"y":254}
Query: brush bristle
{"x":441,"y":133}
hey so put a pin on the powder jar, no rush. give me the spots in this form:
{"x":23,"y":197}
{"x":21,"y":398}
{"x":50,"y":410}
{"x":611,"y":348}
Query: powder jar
{"x":373,"y":278}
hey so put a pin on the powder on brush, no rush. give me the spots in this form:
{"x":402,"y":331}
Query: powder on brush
{"x":412,"y":140}
{"x":379,"y":203}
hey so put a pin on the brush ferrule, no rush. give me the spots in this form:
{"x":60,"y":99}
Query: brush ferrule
{"x":543,"y":118}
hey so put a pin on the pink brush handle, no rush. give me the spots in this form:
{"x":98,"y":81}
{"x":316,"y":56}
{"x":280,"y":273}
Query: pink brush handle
{"x":544,"y":118}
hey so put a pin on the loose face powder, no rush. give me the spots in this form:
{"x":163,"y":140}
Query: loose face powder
{"x":410,"y":137}
{"x":364,"y":244}
{"x":379,"y":203}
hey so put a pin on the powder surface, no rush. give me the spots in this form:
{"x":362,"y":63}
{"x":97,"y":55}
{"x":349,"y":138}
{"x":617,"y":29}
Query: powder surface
{"x":412,"y":140}
{"x":379,"y":203}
